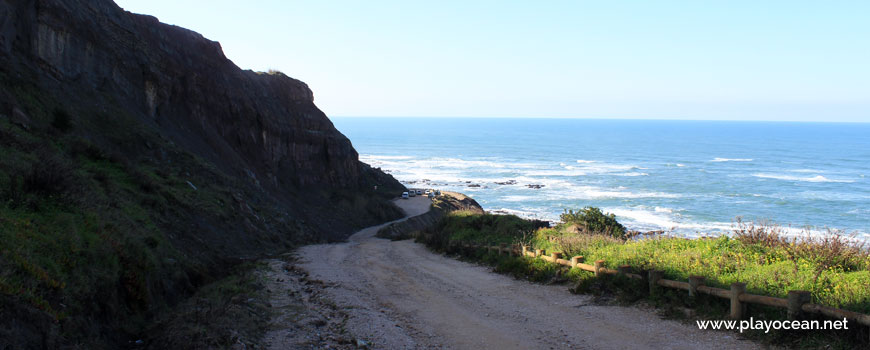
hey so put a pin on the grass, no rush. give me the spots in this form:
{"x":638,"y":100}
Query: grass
{"x":87,"y":232}
{"x":80,"y":237}
{"x":101,"y":231}
{"x":231,"y":311}
{"x":836,"y":271}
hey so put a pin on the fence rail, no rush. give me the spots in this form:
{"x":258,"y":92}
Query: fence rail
{"x":797,"y":303}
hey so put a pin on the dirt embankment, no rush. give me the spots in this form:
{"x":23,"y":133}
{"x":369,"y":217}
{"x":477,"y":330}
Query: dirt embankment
{"x":400,"y":295}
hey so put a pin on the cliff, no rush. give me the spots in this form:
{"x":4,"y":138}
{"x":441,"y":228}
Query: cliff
{"x":140,"y":163}
{"x":262,"y":125}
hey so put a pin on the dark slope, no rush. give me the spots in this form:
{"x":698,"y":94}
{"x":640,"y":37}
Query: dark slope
{"x":138,"y":163}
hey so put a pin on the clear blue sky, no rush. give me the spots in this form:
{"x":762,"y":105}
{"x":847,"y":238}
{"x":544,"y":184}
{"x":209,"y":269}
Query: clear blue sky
{"x":741,"y":60}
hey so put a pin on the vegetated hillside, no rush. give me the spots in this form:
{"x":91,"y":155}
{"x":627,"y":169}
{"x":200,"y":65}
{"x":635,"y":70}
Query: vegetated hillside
{"x":138,"y":163}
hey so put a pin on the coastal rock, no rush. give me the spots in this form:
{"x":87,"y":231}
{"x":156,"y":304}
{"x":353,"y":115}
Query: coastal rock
{"x":575,"y":229}
{"x":534,"y":186}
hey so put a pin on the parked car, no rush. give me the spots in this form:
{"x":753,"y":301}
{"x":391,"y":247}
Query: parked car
{"x":412,"y":193}
{"x":431,"y":194}
{"x":426,"y":192}
{"x":404,"y":195}
{"x":419,"y":191}
{"x":437,"y":192}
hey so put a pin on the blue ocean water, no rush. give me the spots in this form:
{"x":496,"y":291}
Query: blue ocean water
{"x":687,"y":177}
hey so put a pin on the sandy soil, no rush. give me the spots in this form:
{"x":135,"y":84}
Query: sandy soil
{"x":399,"y":295}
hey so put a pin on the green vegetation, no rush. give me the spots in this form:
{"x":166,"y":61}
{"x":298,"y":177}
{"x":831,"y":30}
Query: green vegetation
{"x":836,"y":271}
{"x":231,"y":311}
{"x":591,"y":219}
{"x":88,"y":215}
{"x":469,"y":226}
{"x":81,"y":230}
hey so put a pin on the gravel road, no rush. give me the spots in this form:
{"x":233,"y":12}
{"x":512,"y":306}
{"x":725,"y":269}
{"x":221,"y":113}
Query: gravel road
{"x":399,"y":295}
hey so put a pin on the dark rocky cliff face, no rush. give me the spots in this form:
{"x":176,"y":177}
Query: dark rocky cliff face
{"x":265,"y":126}
{"x":138,"y":163}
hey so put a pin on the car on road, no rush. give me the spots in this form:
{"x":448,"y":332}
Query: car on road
{"x":404,"y":195}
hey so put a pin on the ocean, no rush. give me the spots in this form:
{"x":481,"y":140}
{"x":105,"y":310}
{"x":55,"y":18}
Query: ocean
{"x":689,"y":178}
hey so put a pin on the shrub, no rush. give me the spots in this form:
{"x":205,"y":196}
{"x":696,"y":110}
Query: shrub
{"x":595,"y":221}
{"x":833,"y":249}
{"x":50,"y":175}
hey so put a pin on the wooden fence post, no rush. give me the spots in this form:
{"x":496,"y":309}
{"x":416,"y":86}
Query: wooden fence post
{"x":575,"y":260}
{"x":624,"y":269}
{"x":796,"y":299}
{"x":738,"y":309}
{"x":654,"y":277}
{"x":525,"y":249}
{"x":694,"y":283}
{"x":502,"y":249}
{"x":598,"y":265}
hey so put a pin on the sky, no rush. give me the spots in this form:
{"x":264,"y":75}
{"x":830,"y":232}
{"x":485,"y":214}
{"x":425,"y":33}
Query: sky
{"x":717,"y":60}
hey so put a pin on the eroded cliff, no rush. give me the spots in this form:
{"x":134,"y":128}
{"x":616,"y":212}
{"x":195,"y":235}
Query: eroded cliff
{"x":139,"y":163}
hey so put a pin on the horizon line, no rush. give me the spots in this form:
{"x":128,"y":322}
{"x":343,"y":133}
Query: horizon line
{"x":604,"y":118}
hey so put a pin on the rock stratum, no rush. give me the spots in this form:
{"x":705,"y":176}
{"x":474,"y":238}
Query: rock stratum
{"x":263,"y":125}
{"x":139,"y":163}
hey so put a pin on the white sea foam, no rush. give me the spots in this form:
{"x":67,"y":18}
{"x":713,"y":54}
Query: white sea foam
{"x":562,"y":172}
{"x":528,"y":213}
{"x":565,"y":191}
{"x":817,"y":178}
{"x":566,"y":185}
{"x":374,"y":157}
{"x":604,"y":168}
{"x":441,"y":162}
{"x":641,"y":218}
{"x":633,"y":174}
{"x":663,"y":210}
{"x":717,"y":159}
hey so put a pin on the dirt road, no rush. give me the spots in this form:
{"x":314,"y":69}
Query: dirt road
{"x":399,"y":295}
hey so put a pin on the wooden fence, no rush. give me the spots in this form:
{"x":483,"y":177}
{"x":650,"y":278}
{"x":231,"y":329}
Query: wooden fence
{"x":797,"y":303}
